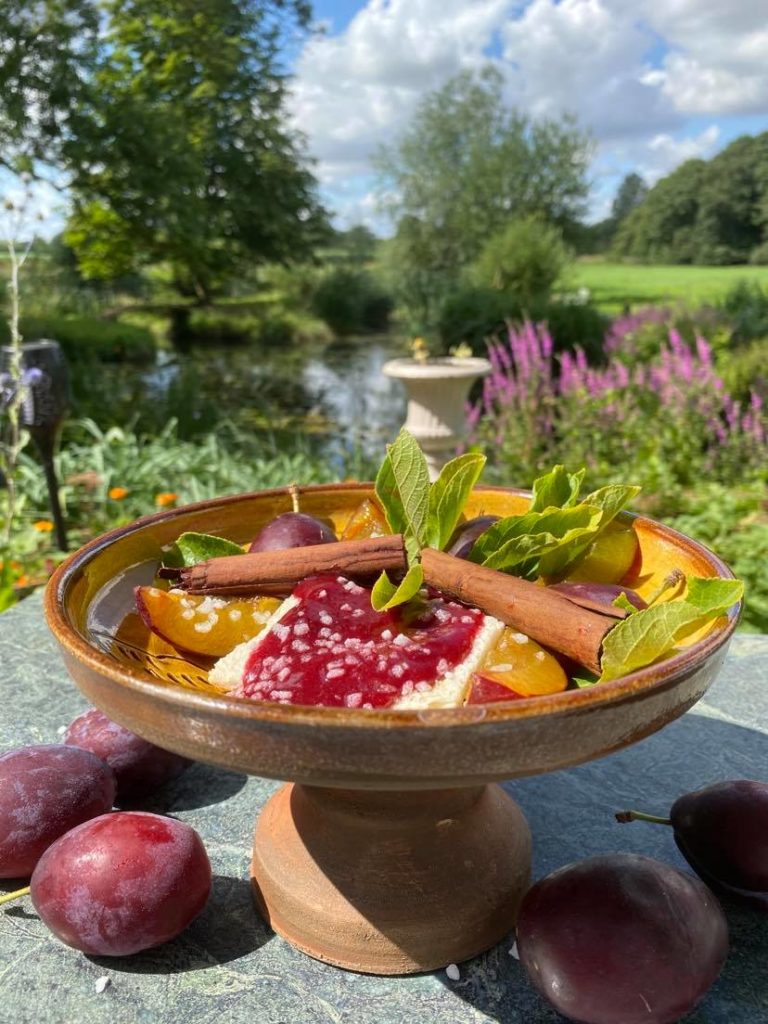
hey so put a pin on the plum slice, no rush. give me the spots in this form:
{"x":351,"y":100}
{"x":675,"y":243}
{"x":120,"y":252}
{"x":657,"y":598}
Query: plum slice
{"x":201,"y":624}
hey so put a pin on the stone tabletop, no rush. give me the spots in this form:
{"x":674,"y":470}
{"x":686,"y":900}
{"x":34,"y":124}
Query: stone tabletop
{"x":228,"y":968}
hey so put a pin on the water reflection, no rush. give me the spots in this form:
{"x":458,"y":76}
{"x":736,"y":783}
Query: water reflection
{"x":365,"y":406}
{"x":334,"y":396}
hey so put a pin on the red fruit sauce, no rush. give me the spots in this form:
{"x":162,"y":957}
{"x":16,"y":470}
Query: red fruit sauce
{"x":334,"y":650}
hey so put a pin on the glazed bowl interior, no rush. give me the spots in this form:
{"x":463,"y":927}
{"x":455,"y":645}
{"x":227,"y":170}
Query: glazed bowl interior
{"x":149,"y":688}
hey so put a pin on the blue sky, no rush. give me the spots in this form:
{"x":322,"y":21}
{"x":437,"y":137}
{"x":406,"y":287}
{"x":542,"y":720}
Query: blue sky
{"x":654,"y":81}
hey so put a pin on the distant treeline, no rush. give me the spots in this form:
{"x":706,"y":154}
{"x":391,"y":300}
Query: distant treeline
{"x":710,"y":212}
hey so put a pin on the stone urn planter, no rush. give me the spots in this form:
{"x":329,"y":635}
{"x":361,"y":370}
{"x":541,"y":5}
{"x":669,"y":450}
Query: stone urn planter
{"x":437,"y":392}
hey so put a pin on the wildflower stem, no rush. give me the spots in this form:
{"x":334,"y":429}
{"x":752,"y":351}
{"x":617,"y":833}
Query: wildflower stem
{"x":11,"y":448}
{"x":10,"y":451}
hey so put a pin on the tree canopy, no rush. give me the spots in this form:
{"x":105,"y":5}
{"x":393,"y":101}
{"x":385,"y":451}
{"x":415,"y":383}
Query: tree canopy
{"x":708,"y":212}
{"x":169,"y":125}
{"x":630,"y":193}
{"x":466,"y":165}
{"x":525,"y":259}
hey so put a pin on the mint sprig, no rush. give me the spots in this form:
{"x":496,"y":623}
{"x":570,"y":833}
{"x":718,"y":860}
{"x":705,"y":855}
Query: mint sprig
{"x":558,"y":530}
{"x":518,"y":544}
{"x":425,"y":513}
{"x":191,"y":548}
{"x":653,"y":633}
{"x":556,"y":489}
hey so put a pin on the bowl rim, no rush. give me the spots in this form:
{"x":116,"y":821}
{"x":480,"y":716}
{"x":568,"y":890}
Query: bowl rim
{"x":658,"y":676}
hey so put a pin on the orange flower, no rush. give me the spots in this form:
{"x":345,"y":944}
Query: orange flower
{"x":166,"y":498}
{"x":43,"y":526}
{"x":118,"y":493}
{"x":23,"y":581}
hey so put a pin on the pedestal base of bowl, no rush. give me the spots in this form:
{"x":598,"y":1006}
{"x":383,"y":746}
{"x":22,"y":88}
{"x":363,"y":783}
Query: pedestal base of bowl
{"x":391,"y":882}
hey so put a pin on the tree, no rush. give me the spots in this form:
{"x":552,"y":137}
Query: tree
{"x":175,"y":143}
{"x":660,"y":230}
{"x":358,"y":244}
{"x":709,"y":212}
{"x":729,"y":223}
{"x":524,"y":260}
{"x":629,"y":195}
{"x":465,"y":166}
{"x":48,"y":49}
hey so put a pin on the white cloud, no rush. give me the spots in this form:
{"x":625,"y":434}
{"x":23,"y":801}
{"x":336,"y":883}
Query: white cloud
{"x":666,"y":152}
{"x":718,"y":59}
{"x":633,"y":73}
{"x":696,"y":89}
{"x":585,"y":56}
{"x":356,"y":90}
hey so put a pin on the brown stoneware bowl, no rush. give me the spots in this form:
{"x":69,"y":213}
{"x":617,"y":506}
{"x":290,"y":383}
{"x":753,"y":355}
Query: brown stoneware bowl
{"x":391,"y":853}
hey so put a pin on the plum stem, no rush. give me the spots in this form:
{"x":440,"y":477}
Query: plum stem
{"x":8,"y":896}
{"x":626,"y":816}
{"x":293,"y":490}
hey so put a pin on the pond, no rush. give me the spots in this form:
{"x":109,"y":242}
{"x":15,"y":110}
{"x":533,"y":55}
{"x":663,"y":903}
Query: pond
{"x":331,"y":399}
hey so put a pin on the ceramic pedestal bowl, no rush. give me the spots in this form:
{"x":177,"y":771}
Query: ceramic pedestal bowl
{"x":391,"y":850}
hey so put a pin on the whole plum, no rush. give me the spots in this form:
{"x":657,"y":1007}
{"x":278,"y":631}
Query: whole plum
{"x":591,"y":594}
{"x":465,"y":535}
{"x":722,"y":831}
{"x":140,"y":767}
{"x":622,"y":939}
{"x":45,"y":791}
{"x":122,"y":882}
{"x":292,"y":530}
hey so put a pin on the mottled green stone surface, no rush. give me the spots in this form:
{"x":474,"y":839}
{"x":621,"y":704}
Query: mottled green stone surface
{"x":229,"y":969}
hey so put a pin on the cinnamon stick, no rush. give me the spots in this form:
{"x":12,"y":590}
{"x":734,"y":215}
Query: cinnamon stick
{"x":277,"y":572}
{"x":542,"y":614}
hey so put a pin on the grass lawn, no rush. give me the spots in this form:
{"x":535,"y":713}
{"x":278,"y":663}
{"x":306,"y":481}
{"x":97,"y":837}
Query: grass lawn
{"x":614,"y":285}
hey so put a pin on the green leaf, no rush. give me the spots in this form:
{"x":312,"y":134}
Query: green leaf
{"x":191,"y":548}
{"x":386,"y":594}
{"x":516,"y":545}
{"x":556,"y":489}
{"x":516,"y":541}
{"x":409,"y":468}
{"x":652,"y":633}
{"x":448,"y":496}
{"x":389,"y":496}
{"x":402,"y":487}
{"x":610,"y":501}
{"x":555,"y":563}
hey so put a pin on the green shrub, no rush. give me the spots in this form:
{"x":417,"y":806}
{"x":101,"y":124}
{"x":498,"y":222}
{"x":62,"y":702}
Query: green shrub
{"x":91,"y":462}
{"x":524,"y":260}
{"x":268,"y":325}
{"x":734,"y":523}
{"x":719,"y":256}
{"x":475,"y":315}
{"x":471,"y":314}
{"x":218,"y":326}
{"x":746,"y":307}
{"x":759,"y":255}
{"x":575,"y":325}
{"x":745,"y":370}
{"x":85,"y":338}
{"x":352,"y":301}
